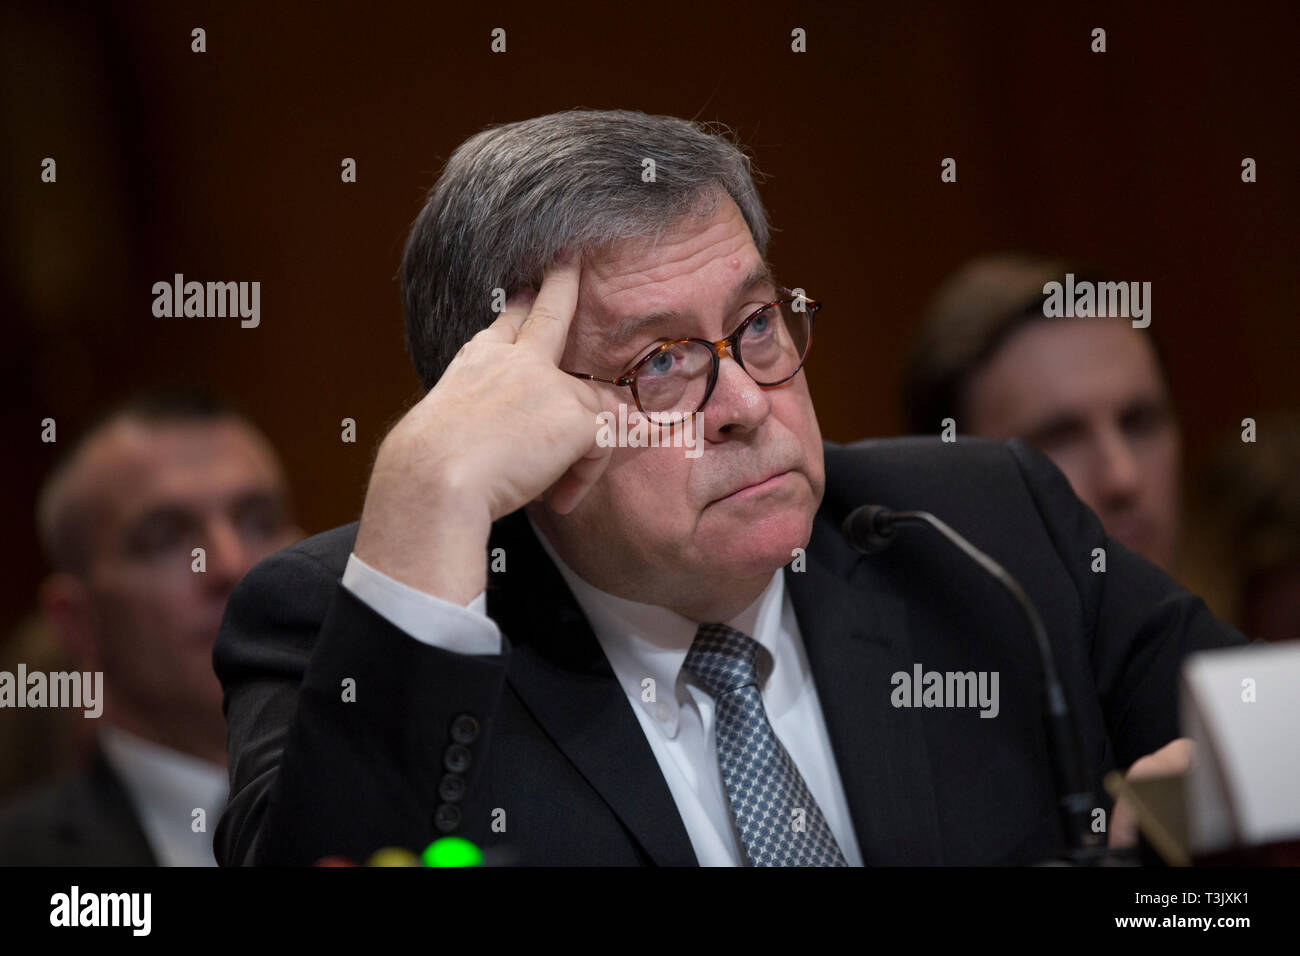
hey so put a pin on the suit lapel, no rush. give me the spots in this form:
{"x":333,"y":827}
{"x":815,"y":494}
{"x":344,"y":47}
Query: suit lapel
{"x":854,"y":630}
{"x":99,"y":825}
{"x":560,"y":673}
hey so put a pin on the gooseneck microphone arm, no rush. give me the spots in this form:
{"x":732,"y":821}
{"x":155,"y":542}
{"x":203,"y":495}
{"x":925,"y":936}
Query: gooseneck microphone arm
{"x":870,"y":528}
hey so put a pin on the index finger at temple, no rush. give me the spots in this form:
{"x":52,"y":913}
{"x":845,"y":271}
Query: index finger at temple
{"x":505,"y":328}
{"x":547,"y":325}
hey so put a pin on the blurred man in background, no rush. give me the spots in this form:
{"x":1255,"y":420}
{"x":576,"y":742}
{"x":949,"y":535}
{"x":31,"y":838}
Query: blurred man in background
{"x":121,"y":518}
{"x":1243,"y":553}
{"x":1090,"y":393}
{"x":36,"y":743}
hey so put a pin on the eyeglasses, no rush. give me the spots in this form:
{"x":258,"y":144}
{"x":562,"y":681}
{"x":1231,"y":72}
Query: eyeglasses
{"x":676,"y":378}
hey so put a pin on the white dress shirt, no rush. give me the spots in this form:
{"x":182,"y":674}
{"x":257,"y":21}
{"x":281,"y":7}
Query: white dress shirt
{"x":166,"y":787}
{"x":646,"y":641}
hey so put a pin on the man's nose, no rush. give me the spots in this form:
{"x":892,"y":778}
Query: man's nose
{"x":1117,"y":471}
{"x":228,"y":559}
{"x":738,"y":403}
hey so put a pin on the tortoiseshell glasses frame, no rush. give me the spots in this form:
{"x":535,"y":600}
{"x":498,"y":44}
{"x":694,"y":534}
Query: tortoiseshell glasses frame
{"x":731,"y":343}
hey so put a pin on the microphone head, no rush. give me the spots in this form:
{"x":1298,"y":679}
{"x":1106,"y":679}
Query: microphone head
{"x":868,"y":529}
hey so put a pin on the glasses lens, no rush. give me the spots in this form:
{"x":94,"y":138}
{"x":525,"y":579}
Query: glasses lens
{"x":775,"y":342}
{"x":674,"y":380}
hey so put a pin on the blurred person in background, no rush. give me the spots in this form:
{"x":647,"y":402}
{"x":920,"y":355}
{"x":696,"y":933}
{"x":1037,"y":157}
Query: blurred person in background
{"x":1244,"y":542}
{"x":38,"y":742}
{"x":120,"y":517}
{"x":1090,"y":393}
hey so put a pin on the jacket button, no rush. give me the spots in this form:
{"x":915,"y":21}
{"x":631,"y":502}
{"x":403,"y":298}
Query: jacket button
{"x":464,"y":729}
{"x":456,"y":758}
{"x":446,"y":818}
{"x":452,"y":788}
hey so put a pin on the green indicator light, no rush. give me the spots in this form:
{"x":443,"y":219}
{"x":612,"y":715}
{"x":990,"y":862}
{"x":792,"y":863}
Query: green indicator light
{"x":451,"y":851}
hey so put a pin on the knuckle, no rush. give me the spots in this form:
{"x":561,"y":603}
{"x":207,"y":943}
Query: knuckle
{"x":474,"y":347}
{"x":542,"y":314}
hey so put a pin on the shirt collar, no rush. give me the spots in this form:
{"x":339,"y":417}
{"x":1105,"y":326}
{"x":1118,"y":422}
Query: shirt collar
{"x":646,"y":641}
{"x":164,"y":780}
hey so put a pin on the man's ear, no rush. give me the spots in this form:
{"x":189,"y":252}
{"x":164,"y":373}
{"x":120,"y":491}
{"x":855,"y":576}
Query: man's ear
{"x":66,"y":603}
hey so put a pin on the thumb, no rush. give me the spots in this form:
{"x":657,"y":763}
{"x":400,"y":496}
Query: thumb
{"x":567,"y":493}
{"x":1123,"y":830}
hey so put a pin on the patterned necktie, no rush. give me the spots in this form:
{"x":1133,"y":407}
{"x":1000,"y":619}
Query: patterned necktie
{"x":765,"y":788}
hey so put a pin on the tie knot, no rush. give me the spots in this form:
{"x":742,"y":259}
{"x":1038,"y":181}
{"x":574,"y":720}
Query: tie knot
{"x":723,"y":658}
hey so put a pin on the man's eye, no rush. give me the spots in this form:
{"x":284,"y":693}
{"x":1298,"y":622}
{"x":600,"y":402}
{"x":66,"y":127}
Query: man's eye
{"x":160,"y":540}
{"x":1055,"y":435}
{"x":662,"y":363}
{"x":748,"y":310}
{"x":257,"y":525}
{"x":157,"y":538}
{"x":259,"y":518}
{"x":623,"y":360}
{"x":1143,"y":420}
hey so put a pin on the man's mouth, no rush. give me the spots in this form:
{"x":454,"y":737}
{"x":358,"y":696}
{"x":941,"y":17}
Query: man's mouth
{"x":757,"y":487}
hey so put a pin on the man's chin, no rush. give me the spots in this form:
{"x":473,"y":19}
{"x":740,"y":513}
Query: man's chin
{"x":750,"y":549}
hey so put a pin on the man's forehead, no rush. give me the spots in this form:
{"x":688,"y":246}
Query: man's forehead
{"x":1083,"y":354}
{"x":619,"y":316}
{"x":1074,"y":369}
{"x":637,"y":266}
{"x":131,"y":463}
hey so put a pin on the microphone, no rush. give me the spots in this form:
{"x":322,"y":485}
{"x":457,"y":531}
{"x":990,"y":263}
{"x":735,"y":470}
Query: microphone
{"x":871,"y":529}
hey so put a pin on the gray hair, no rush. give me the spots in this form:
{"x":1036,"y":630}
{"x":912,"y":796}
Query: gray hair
{"x":514,"y":195}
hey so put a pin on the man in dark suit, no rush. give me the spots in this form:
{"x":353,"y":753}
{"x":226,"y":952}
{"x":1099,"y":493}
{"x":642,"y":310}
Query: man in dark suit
{"x":157,"y":476}
{"x":571,"y":653}
{"x":83,"y":818}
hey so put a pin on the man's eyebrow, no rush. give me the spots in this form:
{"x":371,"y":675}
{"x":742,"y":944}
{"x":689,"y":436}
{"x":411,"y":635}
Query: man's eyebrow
{"x":164,"y":516}
{"x":184,"y":512}
{"x":629,"y":329}
{"x":258,"y":497}
{"x":1056,"y":426}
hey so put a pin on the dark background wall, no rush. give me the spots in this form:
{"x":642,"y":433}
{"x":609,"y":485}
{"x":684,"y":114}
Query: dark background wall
{"x":225,"y":166}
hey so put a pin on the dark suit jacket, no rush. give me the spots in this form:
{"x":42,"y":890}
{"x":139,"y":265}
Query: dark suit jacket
{"x":81,"y":819}
{"x":554,"y":751}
